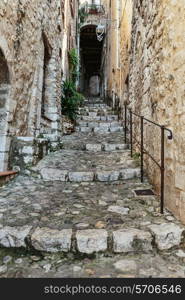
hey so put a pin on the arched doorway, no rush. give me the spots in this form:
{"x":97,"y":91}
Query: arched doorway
{"x":4,"y":94}
{"x":91,"y":58}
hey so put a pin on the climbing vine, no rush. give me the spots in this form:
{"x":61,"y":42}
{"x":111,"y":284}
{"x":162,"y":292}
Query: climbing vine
{"x":83,"y":14}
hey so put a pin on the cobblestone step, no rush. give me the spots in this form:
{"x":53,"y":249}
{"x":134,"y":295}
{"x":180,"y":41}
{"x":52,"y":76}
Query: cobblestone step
{"x":99,"y":118}
{"x":101,"y":124}
{"x":99,"y":130}
{"x":60,"y":219}
{"x":76,"y":166}
{"x":91,"y":241}
{"x":105,"y":147}
{"x":81,"y":202}
{"x":84,"y":141}
{"x":90,"y":111}
{"x":55,"y":174}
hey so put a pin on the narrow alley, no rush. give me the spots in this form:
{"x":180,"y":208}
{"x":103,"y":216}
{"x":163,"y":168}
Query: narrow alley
{"x":79,"y":195}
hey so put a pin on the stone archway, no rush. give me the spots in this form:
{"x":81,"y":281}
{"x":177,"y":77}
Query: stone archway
{"x":4,"y":94}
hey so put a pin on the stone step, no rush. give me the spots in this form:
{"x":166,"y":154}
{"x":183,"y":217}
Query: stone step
{"x":95,"y":111}
{"x":97,"y":105}
{"x":98,"y":102}
{"x":79,"y":140}
{"x":90,"y":241}
{"x":55,"y":174}
{"x":105,"y":147}
{"x":99,"y":130}
{"x":98,"y":118}
{"x":87,"y":166}
{"x":101,"y":124}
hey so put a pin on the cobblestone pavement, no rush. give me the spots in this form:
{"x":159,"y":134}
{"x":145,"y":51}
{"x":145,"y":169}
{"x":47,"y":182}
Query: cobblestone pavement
{"x":87,"y":222}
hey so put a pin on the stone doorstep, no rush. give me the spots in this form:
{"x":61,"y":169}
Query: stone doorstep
{"x":49,"y":174}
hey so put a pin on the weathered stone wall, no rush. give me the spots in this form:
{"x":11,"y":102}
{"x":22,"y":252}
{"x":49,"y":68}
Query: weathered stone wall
{"x":31,"y":43}
{"x":157,"y":78}
{"x":118,"y":47}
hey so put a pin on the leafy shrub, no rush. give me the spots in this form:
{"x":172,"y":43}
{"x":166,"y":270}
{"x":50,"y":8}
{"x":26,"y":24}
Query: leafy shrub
{"x":73,"y":64}
{"x":71,"y":100}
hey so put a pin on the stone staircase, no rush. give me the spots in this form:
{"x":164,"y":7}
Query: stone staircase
{"x":95,"y":153}
{"x":81,"y":199}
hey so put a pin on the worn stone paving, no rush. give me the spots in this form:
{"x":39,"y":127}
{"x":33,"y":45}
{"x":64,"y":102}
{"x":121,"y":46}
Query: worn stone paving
{"x":50,"y":227}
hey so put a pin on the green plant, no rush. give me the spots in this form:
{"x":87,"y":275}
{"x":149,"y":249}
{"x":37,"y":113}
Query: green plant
{"x":71,"y":100}
{"x":73,"y":64}
{"x":136,"y":155}
{"x":82,"y":15}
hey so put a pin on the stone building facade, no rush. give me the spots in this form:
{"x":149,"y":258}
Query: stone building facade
{"x":34,"y":39}
{"x":156,"y":89}
{"x":118,"y":40}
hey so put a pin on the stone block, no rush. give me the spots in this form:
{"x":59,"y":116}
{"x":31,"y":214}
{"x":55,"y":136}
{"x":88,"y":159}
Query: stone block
{"x":114,"y":124}
{"x":104,"y":125}
{"x":28,"y":150}
{"x":131,"y":240}
{"x":81,"y":176}
{"x":126,"y":266}
{"x":129,"y":173}
{"x":109,"y":147}
{"x":92,"y":124}
{"x":101,"y":130}
{"x":91,"y":240}
{"x":14,"y":237}
{"x":85,"y":129}
{"x":116,"y":129}
{"x":107,"y":176}
{"x":112,"y":118}
{"x":114,"y":147}
{"x":119,"y":210}
{"x":92,"y":113}
{"x":94,"y":147}
{"x":54,"y":174}
{"x":82,"y":124}
{"x":51,"y":240}
{"x":167,"y":235}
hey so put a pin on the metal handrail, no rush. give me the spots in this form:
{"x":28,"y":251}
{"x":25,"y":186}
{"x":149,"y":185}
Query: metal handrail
{"x":143,"y":151}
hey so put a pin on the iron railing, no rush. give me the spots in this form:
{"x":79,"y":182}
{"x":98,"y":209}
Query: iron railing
{"x":128,"y":127}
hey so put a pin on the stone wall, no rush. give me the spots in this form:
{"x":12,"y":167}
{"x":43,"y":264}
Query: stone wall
{"x":156,"y":88}
{"x":32,"y":56}
{"x":117,"y":51}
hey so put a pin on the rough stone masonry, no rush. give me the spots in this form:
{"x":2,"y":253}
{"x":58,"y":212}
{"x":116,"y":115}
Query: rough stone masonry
{"x":156,"y":89}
